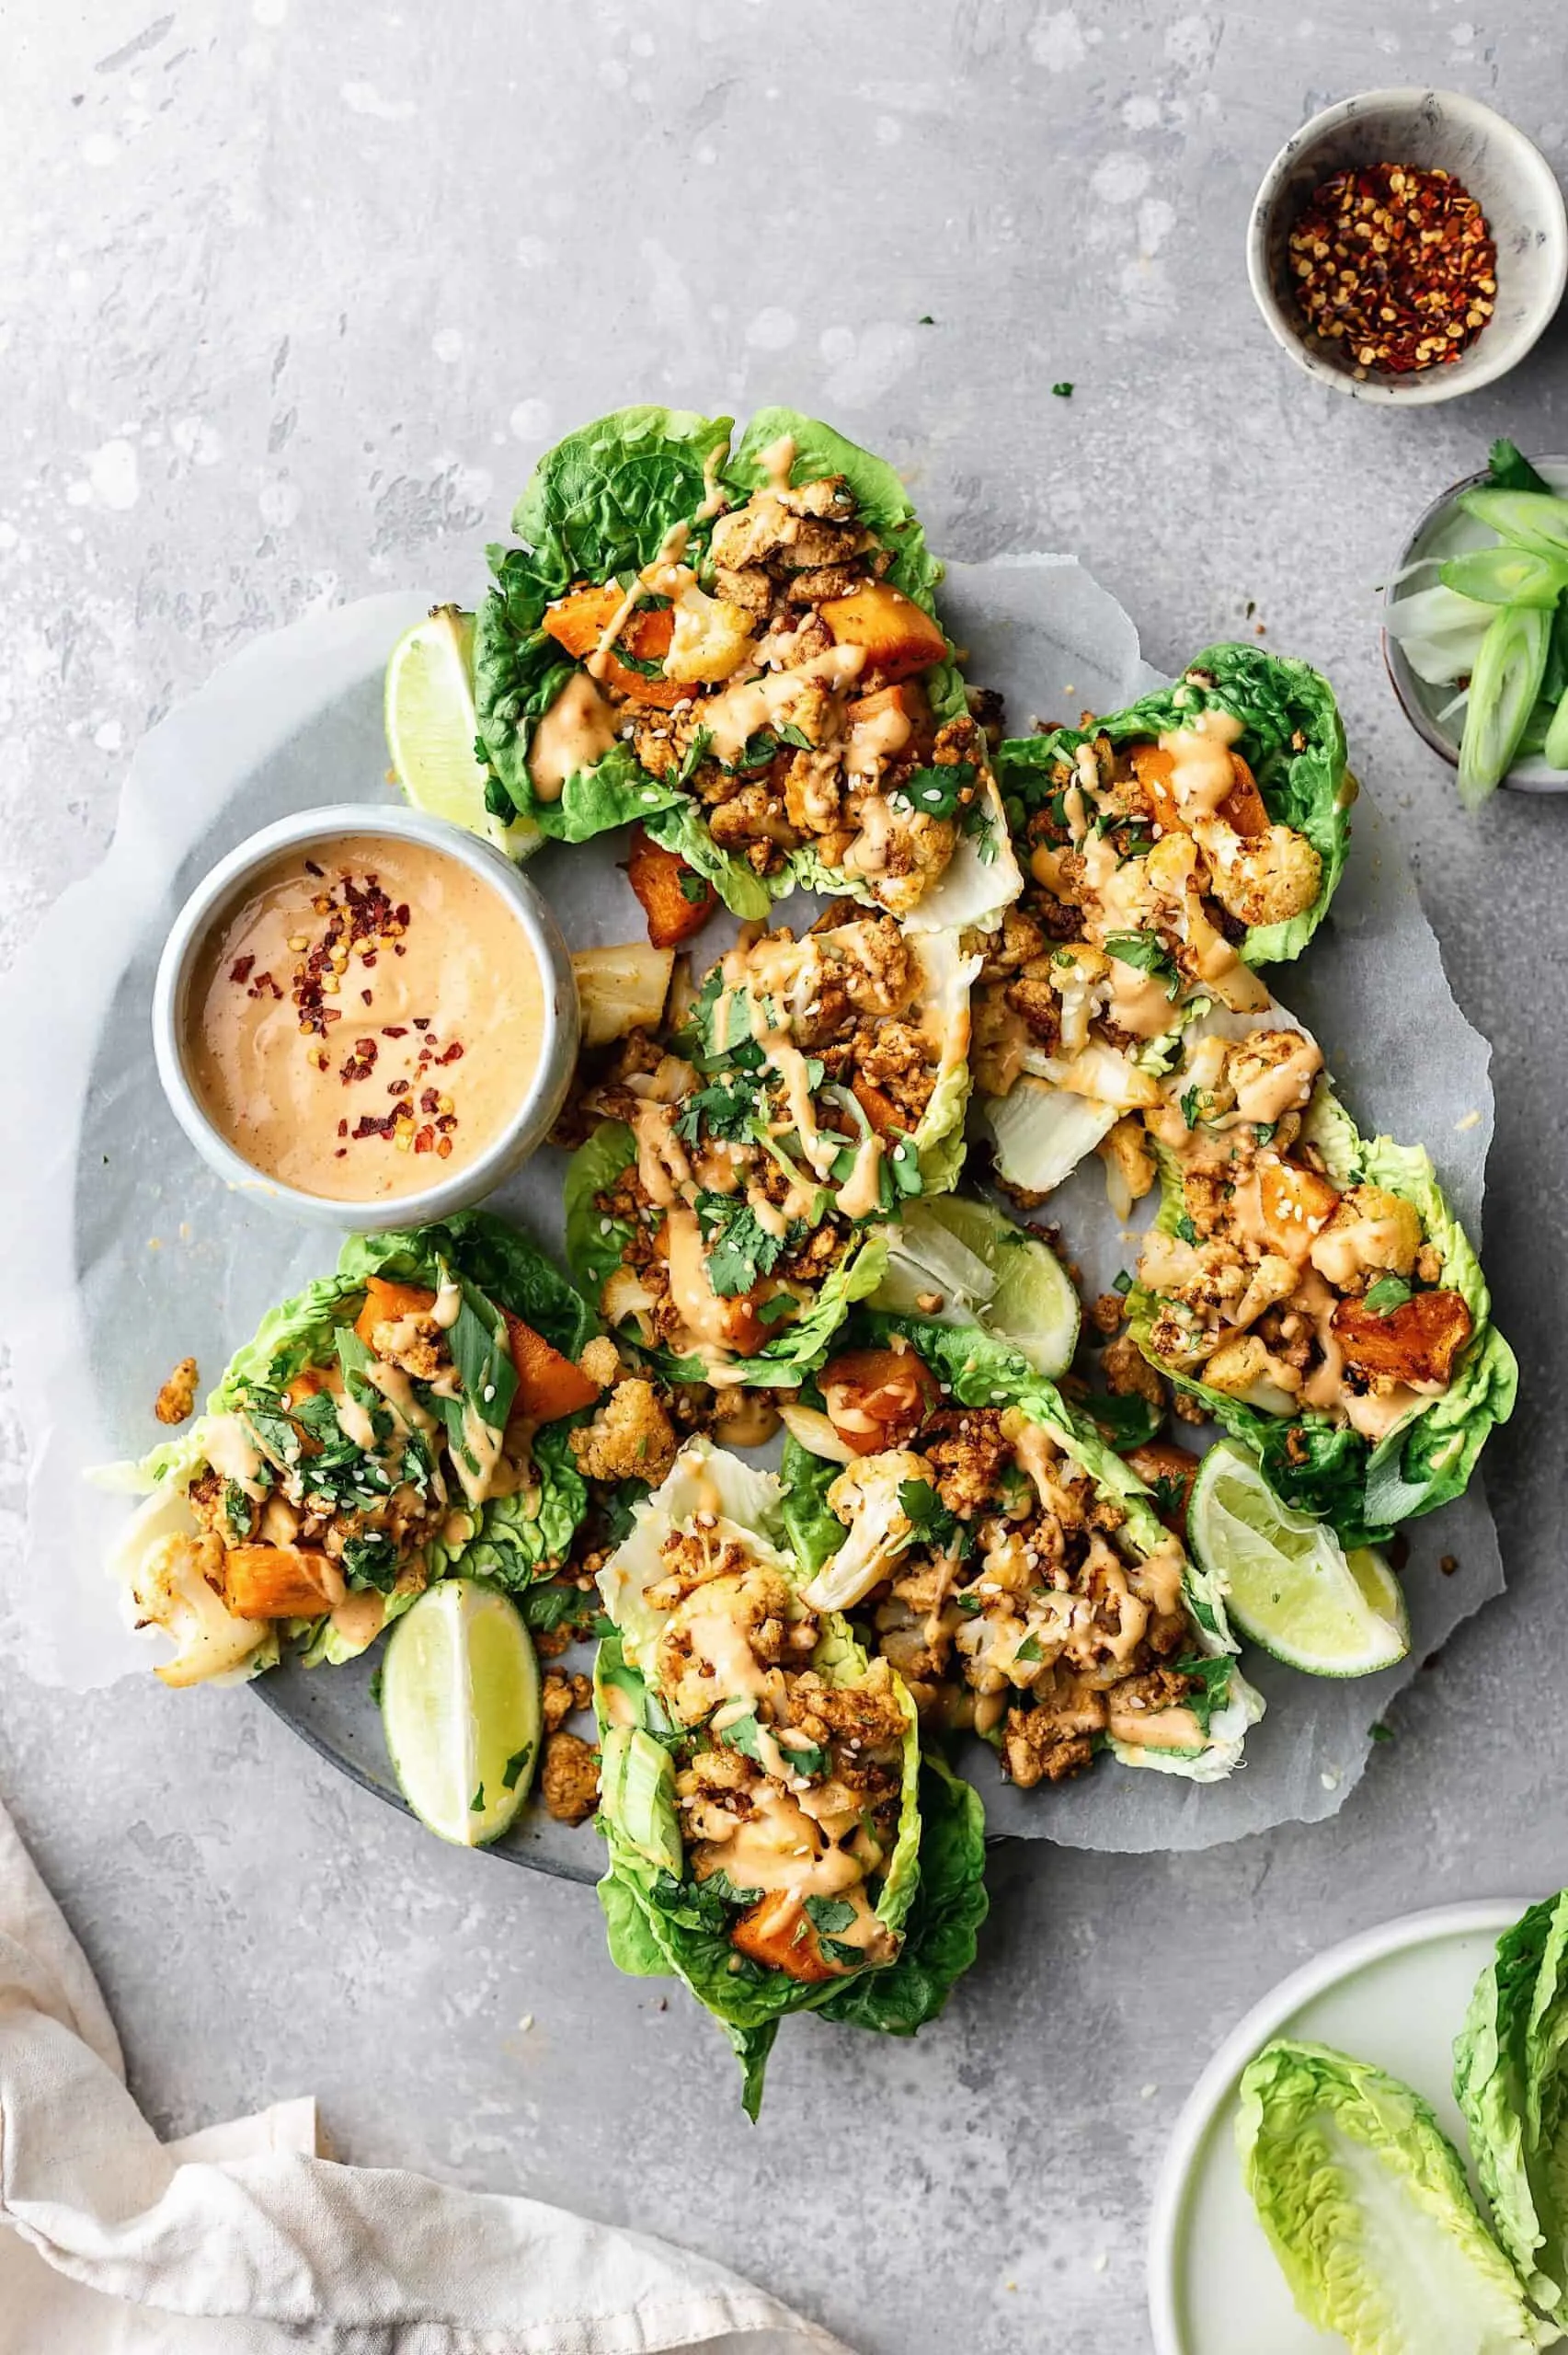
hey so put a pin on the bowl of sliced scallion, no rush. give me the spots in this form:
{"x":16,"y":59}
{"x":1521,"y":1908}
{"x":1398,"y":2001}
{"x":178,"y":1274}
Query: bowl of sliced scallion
{"x":1475,"y":627}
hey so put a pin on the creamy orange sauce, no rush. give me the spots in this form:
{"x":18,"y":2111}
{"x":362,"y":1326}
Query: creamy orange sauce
{"x":363,"y":1020}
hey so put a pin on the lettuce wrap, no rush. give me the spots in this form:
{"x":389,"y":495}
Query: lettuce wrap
{"x":1312,"y":1288}
{"x":762,"y":1791}
{"x":1171,"y":848}
{"x":406,"y":1417}
{"x":738,"y":648}
{"x":1011,"y":1566}
{"x":732,"y":1206}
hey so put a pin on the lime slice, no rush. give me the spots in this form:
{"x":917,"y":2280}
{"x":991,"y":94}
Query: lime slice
{"x":431,"y":727}
{"x":459,"y":1703}
{"x":985,"y":1270}
{"x":1289,"y":1583}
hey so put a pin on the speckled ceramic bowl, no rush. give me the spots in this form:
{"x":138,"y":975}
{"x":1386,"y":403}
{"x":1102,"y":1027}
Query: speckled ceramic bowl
{"x":321,"y":830}
{"x":1508,"y":176}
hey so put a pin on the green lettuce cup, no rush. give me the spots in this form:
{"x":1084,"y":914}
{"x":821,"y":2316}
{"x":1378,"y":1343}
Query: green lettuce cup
{"x":1312,"y":1288}
{"x":1008,"y":1563}
{"x":737,"y":648}
{"x":1171,"y":849}
{"x":742,"y":1195}
{"x":408,"y":1416}
{"x":761,"y":1788}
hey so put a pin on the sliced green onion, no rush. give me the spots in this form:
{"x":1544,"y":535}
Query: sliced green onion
{"x":1506,"y":576}
{"x":1503,"y":691}
{"x":1555,"y":752}
{"x":1527,"y":518}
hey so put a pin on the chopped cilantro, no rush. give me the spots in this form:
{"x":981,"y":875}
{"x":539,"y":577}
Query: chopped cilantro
{"x":930,"y":1521}
{"x":370,"y":1560}
{"x":739,"y":1247}
{"x":1185,"y":1229}
{"x":477,"y":1804}
{"x":515,"y":1765}
{"x":693,"y":758}
{"x":831,"y":1914}
{"x":1029,"y":1649}
{"x":1387,"y":1295}
{"x":1264,"y":1131}
{"x":724,"y":1110}
{"x":1148,"y":953}
{"x":1380,"y":1732}
{"x":774,"y":1310}
{"x":1064,"y":390}
{"x":1121,"y":1281}
{"x":694,"y":887}
{"x":1168,"y":1490}
{"x":1192,"y":1103}
{"x":936,"y":792}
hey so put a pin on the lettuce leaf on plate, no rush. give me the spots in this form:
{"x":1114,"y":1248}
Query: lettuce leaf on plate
{"x":1511,"y":2082}
{"x":1364,"y":2201}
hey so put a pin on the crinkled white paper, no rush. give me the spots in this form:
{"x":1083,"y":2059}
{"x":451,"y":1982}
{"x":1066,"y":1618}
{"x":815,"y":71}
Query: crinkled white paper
{"x":119,"y":1253}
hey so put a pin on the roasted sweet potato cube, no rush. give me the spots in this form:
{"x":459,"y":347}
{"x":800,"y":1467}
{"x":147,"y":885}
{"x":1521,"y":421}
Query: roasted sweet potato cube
{"x":777,"y":1931}
{"x":899,"y":639}
{"x":878,"y":1398}
{"x":1169,"y":1471}
{"x":387,"y":1303}
{"x":279,"y":1582}
{"x":548,"y":1384}
{"x":1243,"y":808}
{"x":1154,"y":767}
{"x":879,"y":1109}
{"x":1296,"y":1205}
{"x":904,"y":701}
{"x":579,"y":620}
{"x":675,"y":898}
{"x":1418,"y":1341}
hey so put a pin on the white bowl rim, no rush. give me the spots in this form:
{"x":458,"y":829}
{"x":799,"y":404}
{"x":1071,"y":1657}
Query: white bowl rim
{"x":1423,"y":725}
{"x":1426,"y":388}
{"x":1488,"y":1915}
{"x":304,"y":829}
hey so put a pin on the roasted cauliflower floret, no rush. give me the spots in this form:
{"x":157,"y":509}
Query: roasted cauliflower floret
{"x":1245,"y":1367}
{"x":711,"y":637}
{"x":1266,"y":879}
{"x":1372,"y":1233}
{"x":630,"y":1438}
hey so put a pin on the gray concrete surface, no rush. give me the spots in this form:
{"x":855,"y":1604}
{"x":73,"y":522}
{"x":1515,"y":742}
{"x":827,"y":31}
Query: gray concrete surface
{"x":291,"y":297}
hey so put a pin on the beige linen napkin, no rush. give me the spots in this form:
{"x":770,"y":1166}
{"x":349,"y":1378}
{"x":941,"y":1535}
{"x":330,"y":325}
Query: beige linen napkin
{"x":242,"y":2241}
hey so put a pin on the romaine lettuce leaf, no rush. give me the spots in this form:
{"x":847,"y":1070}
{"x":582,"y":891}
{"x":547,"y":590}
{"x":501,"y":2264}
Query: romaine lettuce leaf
{"x":594,"y":1243}
{"x":1322,"y":1467}
{"x":1365,"y":2200}
{"x":943,"y":1922}
{"x":598,"y":504}
{"x":1511,"y":2082}
{"x":1292,"y":739}
{"x":883,"y":502}
{"x":657,"y":1910}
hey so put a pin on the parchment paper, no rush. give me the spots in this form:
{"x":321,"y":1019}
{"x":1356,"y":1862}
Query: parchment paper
{"x":119,"y":1253}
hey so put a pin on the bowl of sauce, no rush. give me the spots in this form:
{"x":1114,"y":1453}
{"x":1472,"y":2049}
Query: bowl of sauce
{"x":366,"y":1016}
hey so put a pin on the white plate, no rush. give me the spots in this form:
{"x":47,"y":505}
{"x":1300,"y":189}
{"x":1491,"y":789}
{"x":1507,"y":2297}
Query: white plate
{"x":1396,"y":1995}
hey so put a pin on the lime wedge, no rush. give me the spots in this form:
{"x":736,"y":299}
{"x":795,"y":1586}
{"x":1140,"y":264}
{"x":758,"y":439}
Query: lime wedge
{"x":1289,"y":1583}
{"x":984,"y":1270}
{"x":432,"y":727}
{"x":460,"y":1703}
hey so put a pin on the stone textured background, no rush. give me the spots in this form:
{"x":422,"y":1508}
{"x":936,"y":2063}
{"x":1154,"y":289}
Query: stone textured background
{"x":290,"y":297}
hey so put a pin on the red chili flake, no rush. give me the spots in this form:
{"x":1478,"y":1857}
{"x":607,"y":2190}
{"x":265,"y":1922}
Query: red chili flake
{"x":368,"y":960}
{"x":342,"y":1128}
{"x":443,"y":1146}
{"x":393,"y":1031}
{"x":1398,"y":264}
{"x":312,"y":868}
{"x":240,"y":971}
{"x":425,"y":1141}
{"x":365,"y":995}
{"x":428,"y":1101}
{"x":340,"y":1153}
{"x":331,"y":1014}
{"x":370,"y":1125}
{"x":453,"y":1054}
{"x":421,"y":1022}
{"x":398,"y":1088}
{"x":398,"y":950}
{"x":403,"y":914}
{"x":447,"y":1123}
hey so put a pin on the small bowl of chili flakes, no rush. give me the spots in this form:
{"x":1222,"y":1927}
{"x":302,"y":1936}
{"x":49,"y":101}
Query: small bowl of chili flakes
{"x":1408,"y":246}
